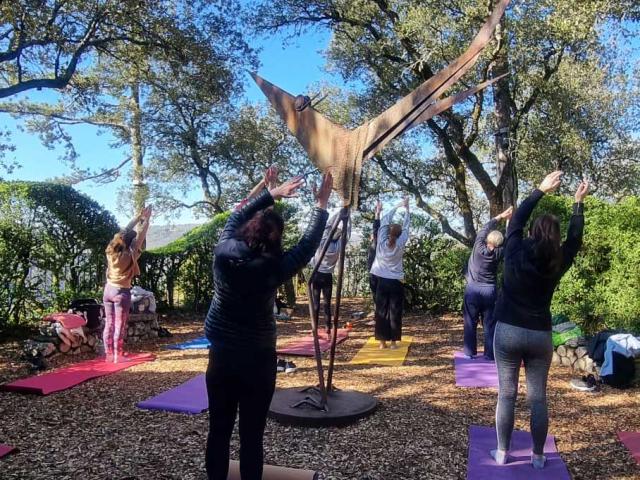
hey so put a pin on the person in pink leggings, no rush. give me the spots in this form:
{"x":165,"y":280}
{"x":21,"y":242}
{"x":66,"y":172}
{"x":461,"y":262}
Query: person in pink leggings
{"x":123,"y":253}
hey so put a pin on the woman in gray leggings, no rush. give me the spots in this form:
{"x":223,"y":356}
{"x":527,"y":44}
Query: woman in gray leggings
{"x":533,"y":266}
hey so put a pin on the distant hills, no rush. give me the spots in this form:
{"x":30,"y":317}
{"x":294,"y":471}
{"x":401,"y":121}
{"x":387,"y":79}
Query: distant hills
{"x":161,"y":235}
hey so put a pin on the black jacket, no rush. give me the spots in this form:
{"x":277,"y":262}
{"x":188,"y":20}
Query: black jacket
{"x":482,"y":267}
{"x":525,"y":297}
{"x":245,"y":281}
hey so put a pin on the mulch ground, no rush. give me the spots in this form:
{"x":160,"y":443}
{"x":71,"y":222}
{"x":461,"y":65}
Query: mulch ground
{"x":94,"y":431}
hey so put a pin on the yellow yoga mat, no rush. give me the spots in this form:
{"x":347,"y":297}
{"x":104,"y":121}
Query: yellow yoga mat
{"x":371,"y":354}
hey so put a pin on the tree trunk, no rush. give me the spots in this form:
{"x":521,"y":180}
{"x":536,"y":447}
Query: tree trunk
{"x":505,"y":153}
{"x":140,"y":191}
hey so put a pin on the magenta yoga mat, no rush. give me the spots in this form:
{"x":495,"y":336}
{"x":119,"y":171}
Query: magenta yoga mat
{"x":72,"y":375}
{"x":303,"y":346}
{"x":6,"y":450}
{"x":481,"y":465}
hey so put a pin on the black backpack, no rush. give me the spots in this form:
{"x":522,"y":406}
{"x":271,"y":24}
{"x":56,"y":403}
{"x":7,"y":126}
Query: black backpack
{"x":624,"y":371}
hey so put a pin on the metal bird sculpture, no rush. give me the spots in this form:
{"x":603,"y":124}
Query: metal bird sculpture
{"x":332,"y":146}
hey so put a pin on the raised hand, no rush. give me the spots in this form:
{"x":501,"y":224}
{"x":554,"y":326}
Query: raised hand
{"x":582,"y":191}
{"x":378,"y":209}
{"x":405,"y":202}
{"x":324,"y":192}
{"x":551,"y":182}
{"x":271,"y":176}
{"x":287,"y":189}
{"x":506,"y":215}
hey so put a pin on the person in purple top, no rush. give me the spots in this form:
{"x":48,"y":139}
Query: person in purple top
{"x":480,"y":292}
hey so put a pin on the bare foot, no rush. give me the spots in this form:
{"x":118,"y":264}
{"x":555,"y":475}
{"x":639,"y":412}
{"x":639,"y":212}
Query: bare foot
{"x":394,"y":346}
{"x":383,"y":345}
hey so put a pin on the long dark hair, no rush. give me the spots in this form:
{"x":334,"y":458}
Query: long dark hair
{"x":545,"y":233}
{"x":263,"y":232}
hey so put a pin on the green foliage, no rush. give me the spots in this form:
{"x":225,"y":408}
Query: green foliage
{"x":602,"y":289}
{"x":184,"y":267}
{"x":52,"y":242}
{"x":433,"y":268}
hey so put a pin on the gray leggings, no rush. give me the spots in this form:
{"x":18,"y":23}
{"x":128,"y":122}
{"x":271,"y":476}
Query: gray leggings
{"x":512,"y":346}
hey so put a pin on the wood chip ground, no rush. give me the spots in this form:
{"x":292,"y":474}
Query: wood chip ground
{"x":94,"y":431}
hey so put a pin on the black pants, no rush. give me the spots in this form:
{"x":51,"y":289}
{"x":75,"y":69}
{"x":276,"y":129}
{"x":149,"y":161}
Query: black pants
{"x":373,"y":285}
{"x":244,"y":381}
{"x":323,"y":283}
{"x":389,"y":305}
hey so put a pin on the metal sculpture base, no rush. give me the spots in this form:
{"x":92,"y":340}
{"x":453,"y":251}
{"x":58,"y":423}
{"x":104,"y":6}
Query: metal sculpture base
{"x":323,"y":405}
{"x":301,"y":407}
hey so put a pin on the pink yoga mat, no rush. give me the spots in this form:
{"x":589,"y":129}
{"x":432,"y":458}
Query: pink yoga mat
{"x":70,"y":376}
{"x":303,"y":347}
{"x":631,"y":440}
{"x":475,"y":372}
{"x":481,"y":465}
{"x":6,"y":450}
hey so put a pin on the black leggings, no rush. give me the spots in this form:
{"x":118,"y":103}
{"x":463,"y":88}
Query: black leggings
{"x":323,"y":283}
{"x":244,"y":380}
{"x":389,"y":304}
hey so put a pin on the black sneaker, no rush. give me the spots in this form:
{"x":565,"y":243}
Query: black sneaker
{"x":281,"y":365}
{"x":290,"y":367}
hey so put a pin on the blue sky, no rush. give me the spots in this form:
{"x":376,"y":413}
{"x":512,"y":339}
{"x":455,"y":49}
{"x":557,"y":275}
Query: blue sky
{"x":302,"y":55}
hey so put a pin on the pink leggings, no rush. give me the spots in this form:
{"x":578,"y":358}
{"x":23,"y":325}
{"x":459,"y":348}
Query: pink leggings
{"x":117,"y":302}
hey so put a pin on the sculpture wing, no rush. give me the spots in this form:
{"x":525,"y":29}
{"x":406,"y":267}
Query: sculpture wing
{"x":409,"y":109}
{"x":328,"y":144}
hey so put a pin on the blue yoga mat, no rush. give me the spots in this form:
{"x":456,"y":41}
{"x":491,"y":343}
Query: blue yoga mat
{"x":195,"y":344}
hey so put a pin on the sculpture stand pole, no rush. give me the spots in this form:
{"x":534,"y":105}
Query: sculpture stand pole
{"x":294,"y":406}
{"x":345,"y":215}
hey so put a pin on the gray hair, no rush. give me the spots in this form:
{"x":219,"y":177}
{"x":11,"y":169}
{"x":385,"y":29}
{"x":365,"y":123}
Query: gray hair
{"x":495,"y":238}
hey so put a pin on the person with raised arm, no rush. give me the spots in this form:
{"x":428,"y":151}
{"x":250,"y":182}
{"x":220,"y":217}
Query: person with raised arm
{"x":371,"y":252}
{"x":387,"y":266}
{"x":249,"y":266}
{"x":480,"y":292}
{"x":322,"y":281}
{"x":533,"y":267}
{"x":123,"y":253}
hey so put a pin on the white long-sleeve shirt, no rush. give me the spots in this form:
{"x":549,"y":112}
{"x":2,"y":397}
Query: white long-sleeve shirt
{"x":330,"y":259}
{"x":388,"y":262}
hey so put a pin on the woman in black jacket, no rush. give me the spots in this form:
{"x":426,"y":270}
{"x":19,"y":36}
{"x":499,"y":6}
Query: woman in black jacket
{"x":533,"y":268}
{"x":249,"y":266}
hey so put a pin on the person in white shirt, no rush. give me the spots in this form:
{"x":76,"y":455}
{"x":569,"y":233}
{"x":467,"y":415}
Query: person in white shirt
{"x":387,"y":266}
{"x":322,"y":281}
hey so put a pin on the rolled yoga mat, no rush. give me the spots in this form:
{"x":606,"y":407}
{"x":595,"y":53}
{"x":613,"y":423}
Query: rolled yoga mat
{"x":371,"y":354}
{"x":74,"y":374}
{"x":195,"y":344}
{"x":475,"y":372}
{"x":6,"y":450}
{"x":271,"y":472}
{"x":481,"y":466}
{"x":631,"y":440}
{"x":189,"y":397}
{"x":303,"y":346}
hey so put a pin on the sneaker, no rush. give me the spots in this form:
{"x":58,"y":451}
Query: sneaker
{"x":281,"y":365}
{"x":290,"y":367}
{"x":582,"y":385}
{"x":469,"y":357}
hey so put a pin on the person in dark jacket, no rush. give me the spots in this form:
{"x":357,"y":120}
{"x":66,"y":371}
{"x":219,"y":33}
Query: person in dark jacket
{"x":533,"y":268}
{"x":480,"y":292}
{"x":371,"y":253}
{"x":248,"y":268}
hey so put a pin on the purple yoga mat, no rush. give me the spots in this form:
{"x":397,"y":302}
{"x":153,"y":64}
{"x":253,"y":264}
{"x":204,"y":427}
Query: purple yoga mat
{"x":190,"y":397}
{"x":481,"y":465}
{"x":475,"y":372}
